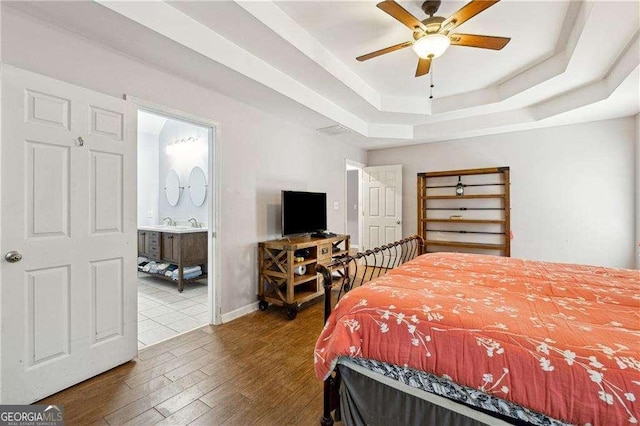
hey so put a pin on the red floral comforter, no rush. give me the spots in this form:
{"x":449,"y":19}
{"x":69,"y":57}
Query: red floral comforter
{"x":560,"y":339}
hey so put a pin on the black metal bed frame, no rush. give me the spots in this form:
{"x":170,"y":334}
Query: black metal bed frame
{"x":353,"y":271}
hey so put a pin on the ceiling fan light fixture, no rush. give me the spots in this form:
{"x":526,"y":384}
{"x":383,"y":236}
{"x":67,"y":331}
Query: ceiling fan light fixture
{"x":431,"y":45}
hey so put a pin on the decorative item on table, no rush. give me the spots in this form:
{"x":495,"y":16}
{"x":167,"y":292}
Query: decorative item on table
{"x":300,"y":270}
{"x":455,"y":217}
{"x":459,"y":187}
{"x":303,"y":253}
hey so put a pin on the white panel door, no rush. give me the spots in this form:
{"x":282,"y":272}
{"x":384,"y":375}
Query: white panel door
{"x":382,"y":205}
{"x":67,"y":180}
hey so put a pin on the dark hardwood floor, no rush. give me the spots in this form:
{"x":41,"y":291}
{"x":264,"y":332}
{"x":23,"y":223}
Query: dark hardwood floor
{"x":256,"y":370}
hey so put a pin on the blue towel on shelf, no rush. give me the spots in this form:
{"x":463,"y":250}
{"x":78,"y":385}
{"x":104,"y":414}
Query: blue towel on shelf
{"x":191,"y":269}
{"x":192,"y":275}
{"x":187,"y":276}
{"x":187,"y":271}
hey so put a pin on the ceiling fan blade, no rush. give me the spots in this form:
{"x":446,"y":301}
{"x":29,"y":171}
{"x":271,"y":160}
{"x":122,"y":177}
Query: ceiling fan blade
{"x":423,"y":67}
{"x":400,"y":13}
{"x":385,"y":50}
{"x":465,"y":13}
{"x":481,"y":41}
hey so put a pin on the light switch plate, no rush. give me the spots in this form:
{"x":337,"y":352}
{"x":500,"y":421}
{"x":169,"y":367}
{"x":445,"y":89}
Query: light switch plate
{"x":150,"y":214}
{"x":336,"y":205}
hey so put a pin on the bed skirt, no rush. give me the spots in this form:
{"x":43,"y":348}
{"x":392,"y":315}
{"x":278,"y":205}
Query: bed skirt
{"x":369,"y":398}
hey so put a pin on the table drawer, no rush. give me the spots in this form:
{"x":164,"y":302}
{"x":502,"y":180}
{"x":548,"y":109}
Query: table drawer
{"x":324,"y":253}
{"x":153,"y":237}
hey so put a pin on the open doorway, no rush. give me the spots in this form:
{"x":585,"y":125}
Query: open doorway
{"x":175,"y":218}
{"x":353,"y":202}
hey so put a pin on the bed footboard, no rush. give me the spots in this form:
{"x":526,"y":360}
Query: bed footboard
{"x":346,"y":272}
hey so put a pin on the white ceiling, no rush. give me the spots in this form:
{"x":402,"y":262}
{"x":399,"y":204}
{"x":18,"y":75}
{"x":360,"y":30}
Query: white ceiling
{"x":568,"y":61}
{"x":355,"y":28}
{"x":150,"y":123}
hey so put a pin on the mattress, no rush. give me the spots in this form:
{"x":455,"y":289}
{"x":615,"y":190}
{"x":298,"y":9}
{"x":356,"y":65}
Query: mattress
{"x":557,"y":339}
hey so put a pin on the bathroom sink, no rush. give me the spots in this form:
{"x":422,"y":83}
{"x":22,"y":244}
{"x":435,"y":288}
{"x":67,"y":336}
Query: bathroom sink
{"x":172,"y":228}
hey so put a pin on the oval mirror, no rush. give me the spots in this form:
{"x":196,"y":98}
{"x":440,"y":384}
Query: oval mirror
{"x":197,"y":186}
{"x":172,"y":187}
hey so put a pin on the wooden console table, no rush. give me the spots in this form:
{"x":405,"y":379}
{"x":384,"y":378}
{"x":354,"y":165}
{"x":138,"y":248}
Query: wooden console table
{"x":278,"y":281}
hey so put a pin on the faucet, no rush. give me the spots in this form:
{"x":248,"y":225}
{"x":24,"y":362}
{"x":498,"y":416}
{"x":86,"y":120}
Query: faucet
{"x":168,"y":221}
{"x":194,"y":222}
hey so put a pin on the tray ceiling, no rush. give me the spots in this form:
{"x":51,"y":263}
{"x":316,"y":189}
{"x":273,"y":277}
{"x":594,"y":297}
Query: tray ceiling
{"x":567,"y":61}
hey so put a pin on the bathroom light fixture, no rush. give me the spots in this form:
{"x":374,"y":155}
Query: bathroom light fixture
{"x":431,"y":45}
{"x":173,"y":146}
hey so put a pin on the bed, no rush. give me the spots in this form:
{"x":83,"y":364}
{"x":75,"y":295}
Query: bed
{"x":464,"y":339}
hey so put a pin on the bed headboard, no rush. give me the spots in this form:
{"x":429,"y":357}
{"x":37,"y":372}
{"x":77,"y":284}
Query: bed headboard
{"x":346,"y":272}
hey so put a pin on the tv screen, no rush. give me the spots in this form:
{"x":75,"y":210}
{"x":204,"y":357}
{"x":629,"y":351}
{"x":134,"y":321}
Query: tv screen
{"x":303,"y":212}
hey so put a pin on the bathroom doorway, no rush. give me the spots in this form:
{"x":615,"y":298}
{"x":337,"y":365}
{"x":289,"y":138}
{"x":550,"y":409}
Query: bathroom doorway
{"x":177,"y":205}
{"x":353,"y":202}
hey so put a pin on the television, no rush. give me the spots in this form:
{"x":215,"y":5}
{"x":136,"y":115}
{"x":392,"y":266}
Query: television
{"x":303,"y":212}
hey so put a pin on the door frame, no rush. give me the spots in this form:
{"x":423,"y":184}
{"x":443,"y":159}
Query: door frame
{"x":214,"y":254}
{"x":357,"y":165}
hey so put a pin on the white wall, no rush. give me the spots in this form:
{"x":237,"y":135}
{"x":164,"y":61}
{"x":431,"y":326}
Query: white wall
{"x":147,"y":178}
{"x":572,"y":187}
{"x":352,"y":206}
{"x":182,"y":160}
{"x":637,"y":183}
{"x":261,"y":154}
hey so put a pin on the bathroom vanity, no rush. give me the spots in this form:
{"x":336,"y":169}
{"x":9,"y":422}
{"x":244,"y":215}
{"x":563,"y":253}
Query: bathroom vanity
{"x":180,"y":245}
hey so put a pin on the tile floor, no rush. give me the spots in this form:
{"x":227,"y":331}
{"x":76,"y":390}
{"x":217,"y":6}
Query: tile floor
{"x":163,"y":312}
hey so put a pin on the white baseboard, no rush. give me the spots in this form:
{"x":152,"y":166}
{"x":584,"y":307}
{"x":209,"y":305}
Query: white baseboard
{"x":230,"y":316}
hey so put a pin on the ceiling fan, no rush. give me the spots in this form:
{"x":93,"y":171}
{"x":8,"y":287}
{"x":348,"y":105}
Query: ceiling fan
{"x":432,"y":36}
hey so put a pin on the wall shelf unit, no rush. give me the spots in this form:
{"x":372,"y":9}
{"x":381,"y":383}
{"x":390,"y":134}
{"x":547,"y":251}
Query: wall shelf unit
{"x":462,"y":197}
{"x":478,"y":220}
